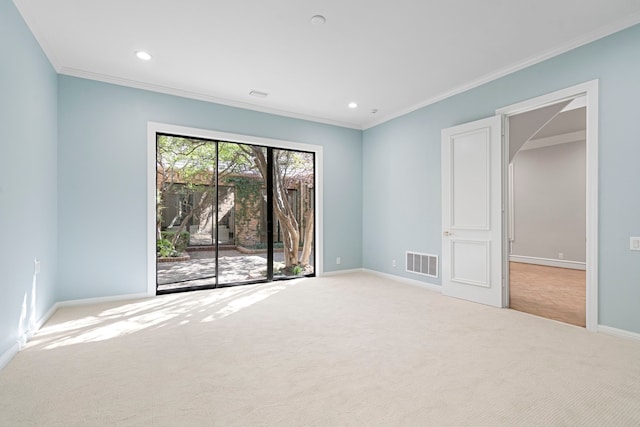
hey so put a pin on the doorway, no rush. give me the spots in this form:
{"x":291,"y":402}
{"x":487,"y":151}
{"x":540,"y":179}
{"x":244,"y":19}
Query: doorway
{"x":231,"y":213}
{"x":550,"y":252}
{"x":547,"y":211}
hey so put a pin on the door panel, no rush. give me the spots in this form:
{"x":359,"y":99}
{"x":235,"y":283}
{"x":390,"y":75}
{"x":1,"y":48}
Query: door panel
{"x":185,"y":195}
{"x":471,"y":262}
{"x":472,"y":211}
{"x":239,"y":168}
{"x":470,"y":166}
{"x":294,"y":215}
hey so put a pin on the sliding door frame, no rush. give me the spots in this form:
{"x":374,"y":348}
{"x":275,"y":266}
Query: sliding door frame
{"x":153,"y":129}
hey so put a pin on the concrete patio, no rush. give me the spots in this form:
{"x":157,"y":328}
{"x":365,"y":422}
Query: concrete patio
{"x":200,"y":270}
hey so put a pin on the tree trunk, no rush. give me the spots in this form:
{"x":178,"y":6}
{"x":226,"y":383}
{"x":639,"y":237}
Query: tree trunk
{"x":281,"y":208}
{"x":308,"y":237}
{"x":202,"y":203}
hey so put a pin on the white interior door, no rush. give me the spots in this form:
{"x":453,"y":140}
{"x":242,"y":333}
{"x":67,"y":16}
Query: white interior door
{"x":472,"y":211}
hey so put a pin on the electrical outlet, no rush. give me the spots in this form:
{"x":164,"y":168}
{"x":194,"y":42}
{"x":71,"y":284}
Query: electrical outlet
{"x":338,"y":260}
{"x":634,"y":243}
{"x":560,"y":255}
{"x":393,"y":263}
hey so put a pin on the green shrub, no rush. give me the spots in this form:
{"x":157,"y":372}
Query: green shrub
{"x":182,"y":242}
{"x":164,"y":248}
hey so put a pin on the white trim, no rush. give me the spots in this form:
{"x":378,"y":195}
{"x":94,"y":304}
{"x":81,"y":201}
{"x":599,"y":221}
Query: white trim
{"x":100,"y":300}
{"x":618,"y":332}
{"x":6,"y":357}
{"x":597,"y":34}
{"x":592,"y":204}
{"x":46,"y":317}
{"x":26,"y":337}
{"x":510,"y":185}
{"x":26,"y":10}
{"x":561,"y":263}
{"x":590,"y":91}
{"x":412,"y":282}
{"x":22,"y":341}
{"x":341,"y":272}
{"x":550,"y":99}
{"x":151,"y":208}
{"x":507,"y":220}
{"x":154,"y":128}
{"x":73,"y":72}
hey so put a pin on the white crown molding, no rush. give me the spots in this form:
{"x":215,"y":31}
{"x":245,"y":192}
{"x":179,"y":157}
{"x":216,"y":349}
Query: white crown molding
{"x":25,"y":6}
{"x":25,"y":10}
{"x":600,"y":33}
{"x":200,"y":97}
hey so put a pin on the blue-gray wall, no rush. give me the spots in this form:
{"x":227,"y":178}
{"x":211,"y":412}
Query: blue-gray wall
{"x":401,"y":167}
{"x":28,"y":190}
{"x":102,"y":179}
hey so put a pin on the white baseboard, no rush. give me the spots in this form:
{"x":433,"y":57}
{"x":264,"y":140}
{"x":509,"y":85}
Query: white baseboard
{"x":412,"y":282}
{"x":6,"y":357}
{"x":26,"y":337}
{"x":23,"y":339}
{"x":46,"y":316}
{"x":341,"y":272}
{"x":98,"y":300}
{"x":561,"y":263}
{"x":618,"y":332}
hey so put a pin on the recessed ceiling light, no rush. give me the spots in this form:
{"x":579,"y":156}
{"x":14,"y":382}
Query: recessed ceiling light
{"x":143,"y":55}
{"x":318,"y":20}
{"x":353,"y":105}
{"x":258,"y":94}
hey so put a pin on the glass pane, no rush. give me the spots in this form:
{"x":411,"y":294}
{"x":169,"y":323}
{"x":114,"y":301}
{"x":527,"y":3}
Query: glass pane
{"x":186,"y":188}
{"x":293,"y":212}
{"x":242,"y":236}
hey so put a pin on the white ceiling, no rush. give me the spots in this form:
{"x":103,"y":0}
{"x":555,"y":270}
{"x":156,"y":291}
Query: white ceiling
{"x":392,"y":56}
{"x":566,"y":122}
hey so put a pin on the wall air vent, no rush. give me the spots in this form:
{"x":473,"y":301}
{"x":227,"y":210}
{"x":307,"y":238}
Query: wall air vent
{"x":425,"y":264}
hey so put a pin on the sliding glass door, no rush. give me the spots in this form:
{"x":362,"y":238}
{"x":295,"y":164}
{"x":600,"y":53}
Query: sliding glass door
{"x":245,"y":260}
{"x":294,"y":213}
{"x":231,"y":213}
{"x":186,"y":189}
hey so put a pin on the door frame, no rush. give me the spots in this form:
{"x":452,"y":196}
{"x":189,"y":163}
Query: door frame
{"x":154,"y":128}
{"x":590,"y":91}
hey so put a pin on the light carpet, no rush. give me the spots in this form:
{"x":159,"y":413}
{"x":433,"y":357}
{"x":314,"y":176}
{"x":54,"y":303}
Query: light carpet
{"x":354,"y":349}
